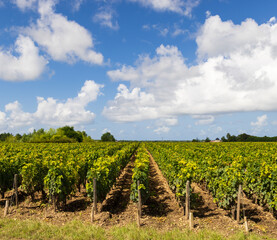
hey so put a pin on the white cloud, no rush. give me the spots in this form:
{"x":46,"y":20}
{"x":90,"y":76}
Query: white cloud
{"x":164,"y":123}
{"x":261,"y":121}
{"x":178,"y":31}
{"x":259,"y":124}
{"x":219,"y":38}
{"x":236,"y":72}
{"x":183,"y":7}
{"x":3,"y":123}
{"x":25,"y":4}
{"x":163,"y":31}
{"x":105,"y":130}
{"x":208,"y":14}
{"x":62,"y":39}
{"x":77,"y":4}
{"x":105,"y":18}
{"x":162,"y":129}
{"x":204,"y":119}
{"x":52,"y":112}
{"x":28,"y":65}
{"x":169,"y":121}
{"x":16,"y":117}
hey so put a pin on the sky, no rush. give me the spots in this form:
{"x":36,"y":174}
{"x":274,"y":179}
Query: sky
{"x":140,"y":69}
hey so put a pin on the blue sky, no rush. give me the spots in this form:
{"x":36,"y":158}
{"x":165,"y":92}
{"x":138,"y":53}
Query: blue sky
{"x":141,"y":69}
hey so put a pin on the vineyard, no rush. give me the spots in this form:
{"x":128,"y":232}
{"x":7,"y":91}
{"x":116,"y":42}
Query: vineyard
{"x":116,"y":177}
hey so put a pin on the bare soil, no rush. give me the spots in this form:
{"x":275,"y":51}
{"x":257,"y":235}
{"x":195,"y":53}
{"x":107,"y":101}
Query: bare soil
{"x":160,"y":211}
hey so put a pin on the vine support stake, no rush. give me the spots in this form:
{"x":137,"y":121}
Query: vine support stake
{"x":233,"y":210}
{"x":92,"y":214}
{"x":16,"y":189}
{"x":246,"y":225}
{"x":139,"y":199}
{"x":138,"y":219}
{"x":187,"y":200}
{"x":191,"y":223}
{"x":238,"y":206}
{"x":95,"y":195}
{"x":6,"y":210}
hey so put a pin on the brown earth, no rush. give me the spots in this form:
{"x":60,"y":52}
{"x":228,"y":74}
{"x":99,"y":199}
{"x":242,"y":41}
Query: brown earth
{"x":160,"y":211}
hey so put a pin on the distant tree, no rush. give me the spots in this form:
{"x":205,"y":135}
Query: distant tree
{"x":71,"y":133}
{"x":107,"y":137}
{"x":207,"y":140}
{"x":195,"y":140}
{"x":228,"y":137}
{"x":4,"y":136}
{"x":223,"y":139}
{"x":18,"y":137}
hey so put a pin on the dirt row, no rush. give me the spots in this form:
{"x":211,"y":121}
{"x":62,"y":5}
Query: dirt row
{"x":161,"y":210}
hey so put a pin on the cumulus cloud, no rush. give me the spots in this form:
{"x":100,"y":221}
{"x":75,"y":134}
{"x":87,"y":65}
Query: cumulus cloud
{"x":259,"y":124}
{"x":53,"y":112}
{"x":183,"y":7}
{"x":236,"y":72}
{"x":25,"y":64}
{"x":162,"y":129}
{"x":261,"y":121}
{"x":105,"y":18}
{"x":25,"y":4}
{"x":62,"y":39}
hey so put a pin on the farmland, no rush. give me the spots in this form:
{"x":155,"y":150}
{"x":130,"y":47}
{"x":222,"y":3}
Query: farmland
{"x":56,"y":184}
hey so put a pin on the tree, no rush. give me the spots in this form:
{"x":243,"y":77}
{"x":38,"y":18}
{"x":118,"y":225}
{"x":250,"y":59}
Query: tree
{"x":71,"y":133}
{"x":207,"y":140}
{"x":107,"y":137}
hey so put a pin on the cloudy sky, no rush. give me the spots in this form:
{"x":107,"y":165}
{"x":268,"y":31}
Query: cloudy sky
{"x":141,"y":69}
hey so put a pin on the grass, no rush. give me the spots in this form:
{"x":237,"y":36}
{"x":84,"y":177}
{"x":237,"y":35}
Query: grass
{"x":28,"y":229}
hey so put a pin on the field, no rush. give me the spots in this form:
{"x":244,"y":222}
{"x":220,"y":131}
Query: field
{"x":56,"y":190}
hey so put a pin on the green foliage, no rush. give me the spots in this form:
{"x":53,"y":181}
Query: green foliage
{"x":107,"y":168}
{"x":140,"y":173}
{"x":222,"y":167}
{"x":58,"y":168}
{"x":65,"y":134}
{"x":4,"y":136}
{"x":107,"y":137}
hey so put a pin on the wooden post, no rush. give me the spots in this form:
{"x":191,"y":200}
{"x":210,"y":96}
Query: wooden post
{"x":238,"y":206}
{"x":246,"y":225}
{"x":45,"y":211}
{"x":233,"y":212}
{"x":139,"y":200}
{"x":138,"y":218}
{"x":16,"y":189}
{"x":95,"y":195}
{"x":187,"y":201}
{"x":191,"y":222}
{"x":92,"y":214}
{"x":6,"y":210}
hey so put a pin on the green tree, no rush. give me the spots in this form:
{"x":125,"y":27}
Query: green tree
{"x":107,"y":137}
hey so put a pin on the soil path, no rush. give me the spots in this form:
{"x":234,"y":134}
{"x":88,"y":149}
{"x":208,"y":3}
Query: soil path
{"x":161,"y":210}
{"x":260,"y":221}
{"x":209,"y":215}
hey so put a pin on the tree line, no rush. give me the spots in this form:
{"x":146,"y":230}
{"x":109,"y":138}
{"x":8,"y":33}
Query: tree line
{"x":247,"y":138}
{"x":240,"y":138}
{"x":64,"y":134}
